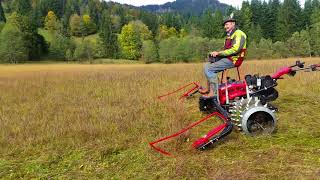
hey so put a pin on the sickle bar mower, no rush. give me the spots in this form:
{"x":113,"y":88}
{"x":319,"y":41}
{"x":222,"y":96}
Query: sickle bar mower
{"x":188,"y":93}
{"x":244,"y":104}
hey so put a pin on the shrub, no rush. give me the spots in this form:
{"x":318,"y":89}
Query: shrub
{"x":12,"y":47}
{"x":149,"y":52}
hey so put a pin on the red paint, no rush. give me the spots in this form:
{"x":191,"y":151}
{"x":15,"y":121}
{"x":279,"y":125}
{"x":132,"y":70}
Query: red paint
{"x":228,"y":43}
{"x":200,"y":142}
{"x":234,"y":90}
{"x":281,"y":72}
{"x":196,"y":87}
{"x":210,"y":134}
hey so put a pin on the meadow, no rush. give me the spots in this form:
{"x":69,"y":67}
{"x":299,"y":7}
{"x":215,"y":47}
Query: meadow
{"x":72,"y":121}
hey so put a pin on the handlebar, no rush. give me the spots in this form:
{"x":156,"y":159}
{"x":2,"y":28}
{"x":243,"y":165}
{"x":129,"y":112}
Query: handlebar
{"x":298,"y":64}
{"x":291,"y":70}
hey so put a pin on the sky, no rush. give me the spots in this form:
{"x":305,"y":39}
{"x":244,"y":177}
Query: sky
{"x":235,"y":3}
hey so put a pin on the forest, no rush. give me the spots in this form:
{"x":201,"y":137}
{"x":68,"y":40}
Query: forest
{"x":85,"y":30}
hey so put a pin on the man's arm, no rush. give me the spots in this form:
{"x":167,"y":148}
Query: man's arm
{"x":236,"y":48}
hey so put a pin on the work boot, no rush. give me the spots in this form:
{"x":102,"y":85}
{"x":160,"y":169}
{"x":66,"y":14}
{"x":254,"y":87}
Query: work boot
{"x":205,"y":90}
{"x":210,"y":94}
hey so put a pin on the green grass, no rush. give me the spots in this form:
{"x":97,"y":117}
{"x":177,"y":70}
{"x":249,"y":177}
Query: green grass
{"x":46,"y":34}
{"x":85,"y":121}
{"x":48,"y":37}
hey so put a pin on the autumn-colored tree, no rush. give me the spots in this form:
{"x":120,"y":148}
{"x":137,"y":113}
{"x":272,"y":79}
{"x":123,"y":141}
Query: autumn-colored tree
{"x":75,"y":25}
{"x":51,"y":22}
{"x":165,"y":32}
{"x":142,"y":30}
{"x":131,"y":38}
{"x":88,"y":25}
{"x":129,"y":42}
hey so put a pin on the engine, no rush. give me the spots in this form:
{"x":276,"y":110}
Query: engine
{"x":262,"y":87}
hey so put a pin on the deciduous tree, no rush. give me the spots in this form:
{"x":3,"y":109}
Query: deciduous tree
{"x":75,"y":25}
{"x":149,"y":51}
{"x":88,"y":25}
{"x":12,"y":47}
{"x":299,"y":44}
{"x":130,"y":42}
{"x":315,"y":38}
{"x":51,"y":22}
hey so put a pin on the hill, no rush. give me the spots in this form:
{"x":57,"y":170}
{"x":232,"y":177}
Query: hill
{"x":195,"y":7}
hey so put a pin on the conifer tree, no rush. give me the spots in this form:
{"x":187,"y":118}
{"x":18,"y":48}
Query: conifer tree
{"x":315,"y":16}
{"x":273,"y":15}
{"x":288,"y":20}
{"x":94,"y":11}
{"x":265,"y":20}
{"x":36,"y":14}
{"x":151,"y":20}
{"x":307,"y":11}
{"x":207,"y":24}
{"x":315,"y":38}
{"x":315,"y":4}
{"x":57,"y":6}
{"x":217,"y":30}
{"x":22,"y":7}
{"x":256,"y":11}
{"x":69,"y":10}
{"x":107,"y":36}
{"x":255,"y":33}
{"x":245,"y":17}
{"x":2,"y":16}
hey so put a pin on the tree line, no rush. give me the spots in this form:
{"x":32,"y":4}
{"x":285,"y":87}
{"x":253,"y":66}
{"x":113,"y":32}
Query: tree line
{"x":41,"y":29}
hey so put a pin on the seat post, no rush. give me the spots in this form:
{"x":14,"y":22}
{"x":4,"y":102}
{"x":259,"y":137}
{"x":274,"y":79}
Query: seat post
{"x":222,"y":76}
{"x":238,"y":73}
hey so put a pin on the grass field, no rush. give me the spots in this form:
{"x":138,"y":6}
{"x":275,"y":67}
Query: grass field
{"x":72,"y":121}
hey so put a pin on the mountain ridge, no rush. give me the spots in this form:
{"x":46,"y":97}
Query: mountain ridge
{"x":195,"y":7}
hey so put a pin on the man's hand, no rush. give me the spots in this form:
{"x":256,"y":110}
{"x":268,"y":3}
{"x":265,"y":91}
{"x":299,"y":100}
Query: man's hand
{"x":214,"y":53}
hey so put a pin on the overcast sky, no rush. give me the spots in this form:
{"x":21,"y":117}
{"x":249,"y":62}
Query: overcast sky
{"x":235,"y":3}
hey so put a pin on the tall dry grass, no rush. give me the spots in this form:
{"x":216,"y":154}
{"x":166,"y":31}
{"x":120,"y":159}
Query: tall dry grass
{"x":95,"y":121}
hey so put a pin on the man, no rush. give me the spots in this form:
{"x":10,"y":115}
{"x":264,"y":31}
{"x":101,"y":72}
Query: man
{"x":231,"y":56}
